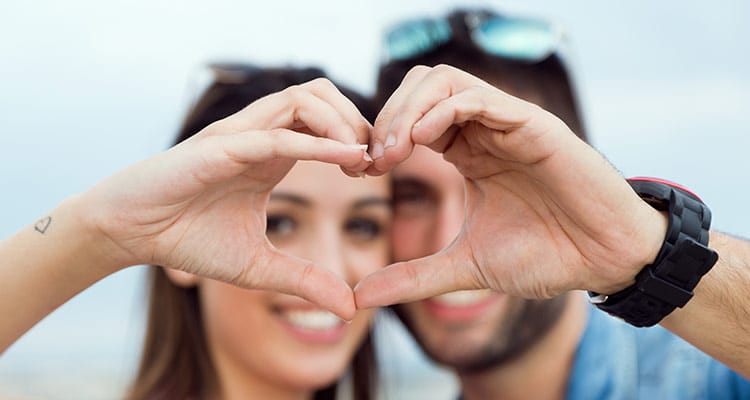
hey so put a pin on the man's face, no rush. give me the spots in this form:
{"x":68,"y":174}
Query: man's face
{"x":468,"y":330}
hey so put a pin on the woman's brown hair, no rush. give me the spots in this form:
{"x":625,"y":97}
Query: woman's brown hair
{"x":176,"y":363}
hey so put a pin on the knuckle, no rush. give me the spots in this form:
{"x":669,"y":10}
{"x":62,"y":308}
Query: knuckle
{"x":319,"y":84}
{"x":418,"y":70}
{"x":443,"y":68}
{"x":274,"y":142}
{"x":294,"y":93}
{"x":383,"y":118}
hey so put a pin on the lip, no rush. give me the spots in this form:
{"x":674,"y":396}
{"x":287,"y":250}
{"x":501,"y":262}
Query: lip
{"x":458,"y":313}
{"x":309,"y":335}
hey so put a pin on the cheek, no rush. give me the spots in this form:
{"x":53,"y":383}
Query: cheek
{"x":231,"y":315}
{"x":364,"y":261}
{"x":411,"y":237}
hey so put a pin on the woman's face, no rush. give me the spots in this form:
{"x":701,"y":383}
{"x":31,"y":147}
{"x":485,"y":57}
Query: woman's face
{"x":266,"y":338}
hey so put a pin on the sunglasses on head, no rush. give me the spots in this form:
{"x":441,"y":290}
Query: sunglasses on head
{"x":221,"y":78}
{"x":219,"y":89}
{"x":242,"y":73}
{"x":522,"y":39}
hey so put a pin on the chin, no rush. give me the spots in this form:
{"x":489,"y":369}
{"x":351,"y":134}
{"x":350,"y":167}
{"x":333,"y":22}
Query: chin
{"x":498,"y":336}
{"x":315,"y":375}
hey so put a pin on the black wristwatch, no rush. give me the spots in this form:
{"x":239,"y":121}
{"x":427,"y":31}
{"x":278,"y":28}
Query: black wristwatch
{"x":682,"y":261}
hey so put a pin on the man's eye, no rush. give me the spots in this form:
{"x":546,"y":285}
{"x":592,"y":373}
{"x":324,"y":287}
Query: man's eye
{"x":411,"y":195}
{"x":408,"y":196}
{"x":279,"y":225}
{"x":363,"y":228}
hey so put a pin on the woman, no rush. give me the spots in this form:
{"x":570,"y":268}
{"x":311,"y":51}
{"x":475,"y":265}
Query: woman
{"x":199,"y":209}
{"x":206,"y":336}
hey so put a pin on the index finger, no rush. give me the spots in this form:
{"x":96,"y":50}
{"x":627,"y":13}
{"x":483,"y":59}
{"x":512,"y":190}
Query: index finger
{"x":420,"y":91}
{"x":408,"y":281}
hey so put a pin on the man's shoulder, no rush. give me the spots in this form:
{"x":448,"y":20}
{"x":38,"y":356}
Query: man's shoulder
{"x":628,"y":362}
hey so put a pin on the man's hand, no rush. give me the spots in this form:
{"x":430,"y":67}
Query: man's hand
{"x":545,"y":213}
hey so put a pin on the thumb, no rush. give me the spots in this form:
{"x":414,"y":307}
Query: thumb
{"x":446,"y":271}
{"x":291,"y":275}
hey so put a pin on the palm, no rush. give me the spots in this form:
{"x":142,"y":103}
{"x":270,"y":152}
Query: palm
{"x":545,"y":213}
{"x":523,"y":210}
{"x":200,"y":207}
{"x":201,"y":224}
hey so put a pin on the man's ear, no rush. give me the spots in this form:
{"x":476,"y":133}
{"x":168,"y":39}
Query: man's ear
{"x":181,"y":278}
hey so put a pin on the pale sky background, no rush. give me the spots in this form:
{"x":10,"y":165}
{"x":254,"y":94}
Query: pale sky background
{"x":89,"y":87}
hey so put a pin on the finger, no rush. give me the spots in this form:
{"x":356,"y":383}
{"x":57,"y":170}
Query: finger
{"x":390,"y":110}
{"x":418,"y":279}
{"x":437,"y":84}
{"x":488,"y":106}
{"x":291,"y":275}
{"x":329,"y":93}
{"x":323,"y":110}
{"x":292,"y":108}
{"x":227,"y":156}
{"x":284,"y":143}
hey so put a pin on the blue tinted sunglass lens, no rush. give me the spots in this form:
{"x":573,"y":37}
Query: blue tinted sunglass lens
{"x":417,"y":37}
{"x":519,"y":39}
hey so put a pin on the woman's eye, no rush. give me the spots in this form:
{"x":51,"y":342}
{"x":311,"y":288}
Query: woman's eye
{"x":363,"y":228}
{"x":279,"y":225}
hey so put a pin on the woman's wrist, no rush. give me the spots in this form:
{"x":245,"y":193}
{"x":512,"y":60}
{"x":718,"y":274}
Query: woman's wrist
{"x":47,"y":263}
{"x":95,"y":245}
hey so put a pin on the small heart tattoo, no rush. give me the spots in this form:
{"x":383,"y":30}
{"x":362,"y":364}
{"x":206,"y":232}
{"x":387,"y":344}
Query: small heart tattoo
{"x":42,"y":225}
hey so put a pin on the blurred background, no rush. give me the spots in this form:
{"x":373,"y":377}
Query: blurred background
{"x":89,"y":87}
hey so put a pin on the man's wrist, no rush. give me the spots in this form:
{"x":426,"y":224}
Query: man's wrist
{"x":654,"y":228}
{"x":668,"y":281}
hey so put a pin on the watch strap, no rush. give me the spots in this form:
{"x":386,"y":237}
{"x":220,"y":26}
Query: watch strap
{"x":683,"y":259}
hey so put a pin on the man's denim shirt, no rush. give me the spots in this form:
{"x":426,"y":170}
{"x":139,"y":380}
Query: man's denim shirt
{"x":617,"y":361}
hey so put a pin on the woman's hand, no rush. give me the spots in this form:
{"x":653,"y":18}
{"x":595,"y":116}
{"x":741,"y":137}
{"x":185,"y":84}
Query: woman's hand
{"x":200,"y":206}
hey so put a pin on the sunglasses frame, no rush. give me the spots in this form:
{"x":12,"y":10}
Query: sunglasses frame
{"x":464,"y":26}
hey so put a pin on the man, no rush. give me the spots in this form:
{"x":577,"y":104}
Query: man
{"x":503,"y":346}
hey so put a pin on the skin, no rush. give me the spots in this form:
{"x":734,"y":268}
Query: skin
{"x":198,"y":208}
{"x":540,"y":207}
{"x":257,"y":351}
{"x":540,"y":210}
{"x":476,"y":335}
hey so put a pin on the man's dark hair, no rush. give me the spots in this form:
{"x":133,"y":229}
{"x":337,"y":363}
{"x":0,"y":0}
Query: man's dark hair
{"x":548,"y":77}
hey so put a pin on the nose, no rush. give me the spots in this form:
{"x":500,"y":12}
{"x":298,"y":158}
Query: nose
{"x":327,"y":250}
{"x":450,"y":219}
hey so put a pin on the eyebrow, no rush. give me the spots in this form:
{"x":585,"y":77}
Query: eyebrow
{"x":373,"y":201}
{"x":292,"y":198}
{"x":361,"y":203}
{"x":410,"y":182}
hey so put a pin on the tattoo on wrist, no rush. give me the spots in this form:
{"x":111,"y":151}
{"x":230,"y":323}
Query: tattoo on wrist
{"x":42,"y":225}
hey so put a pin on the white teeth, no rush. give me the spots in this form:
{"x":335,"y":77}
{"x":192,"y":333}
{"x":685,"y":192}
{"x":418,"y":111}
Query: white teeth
{"x":462,"y":297}
{"x":318,"y":319}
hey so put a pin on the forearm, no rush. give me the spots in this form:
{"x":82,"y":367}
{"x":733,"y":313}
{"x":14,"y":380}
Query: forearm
{"x":46,"y":264}
{"x":717,"y":318}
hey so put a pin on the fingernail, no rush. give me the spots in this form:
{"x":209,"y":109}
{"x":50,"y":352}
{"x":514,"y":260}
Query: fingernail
{"x":418,"y":124}
{"x":366,"y":157}
{"x":390,"y":140}
{"x":358,"y":146}
{"x":377,"y":150}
